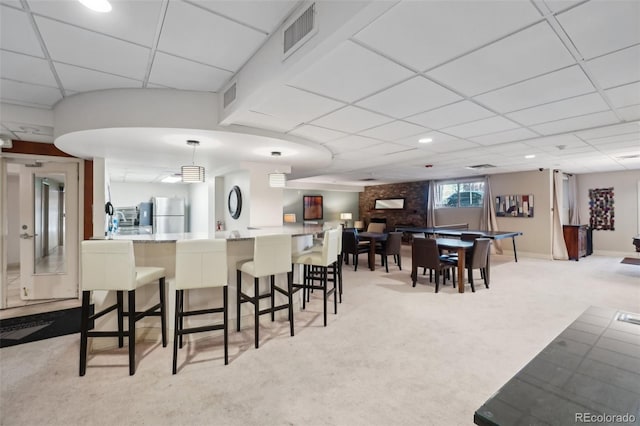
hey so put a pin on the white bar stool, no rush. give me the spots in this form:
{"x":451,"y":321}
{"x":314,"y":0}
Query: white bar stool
{"x":110,"y":266}
{"x":322,"y":260}
{"x":271,"y":256}
{"x":200,"y":264}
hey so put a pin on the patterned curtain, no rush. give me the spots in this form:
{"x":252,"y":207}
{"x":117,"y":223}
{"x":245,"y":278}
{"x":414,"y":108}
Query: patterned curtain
{"x":488,"y":220}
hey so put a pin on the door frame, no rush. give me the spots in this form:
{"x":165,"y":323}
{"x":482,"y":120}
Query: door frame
{"x":4,"y":158}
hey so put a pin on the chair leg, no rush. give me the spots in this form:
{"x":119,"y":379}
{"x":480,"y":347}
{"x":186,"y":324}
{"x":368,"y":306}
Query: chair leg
{"x":470,"y":278}
{"x":256,"y":311}
{"x":324,"y":293}
{"x":355,"y":261}
{"x":386,"y":263}
{"x":399,"y":262}
{"x":340,"y":275}
{"x":163,"y":312}
{"x":335,"y":292}
{"x":484,"y":276}
{"x":120,"y":302}
{"x":180,"y":337}
{"x":238,"y":291}
{"x":437,"y":274}
{"x":290,"y":296}
{"x":132,"y":332}
{"x":225,"y":305}
{"x":273,"y":296}
{"x":84,"y":329}
{"x":176,"y":329}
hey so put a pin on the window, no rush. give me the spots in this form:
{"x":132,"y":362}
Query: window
{"x":460,"y":194}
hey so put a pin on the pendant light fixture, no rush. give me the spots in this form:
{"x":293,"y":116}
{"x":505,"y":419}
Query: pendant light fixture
{"x":277,"y":179}
{"x":193,"y":173}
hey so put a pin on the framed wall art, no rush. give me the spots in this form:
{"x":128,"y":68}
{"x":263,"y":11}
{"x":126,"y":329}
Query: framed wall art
{"x":601,"y":213}
{"x":514,"y":205}
{"x":312,"y":207}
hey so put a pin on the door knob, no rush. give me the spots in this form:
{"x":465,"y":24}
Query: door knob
{"x":26,"y":236}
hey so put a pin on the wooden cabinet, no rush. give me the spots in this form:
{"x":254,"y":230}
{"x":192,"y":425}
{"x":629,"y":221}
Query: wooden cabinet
{"x":575,"y":238}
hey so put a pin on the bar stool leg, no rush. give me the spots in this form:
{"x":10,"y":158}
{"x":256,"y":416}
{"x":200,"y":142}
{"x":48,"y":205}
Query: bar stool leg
{"x":163,"y":317}
{"x":238,"y":296}
{"x":290,"y":295}
{"x":84,"y":329}
{"x":132,"y":332}
{"x":176,"y":329}
{"x":120,"y":302}
{"x":256,"y":310}
{"x":181,"y":308}
{"x":273,"y":297}
{"x":324,"y":293}
{"x":225,"y":296}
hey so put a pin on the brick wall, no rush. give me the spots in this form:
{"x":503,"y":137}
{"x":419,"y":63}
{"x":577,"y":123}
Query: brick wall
{"x":415,"y":207}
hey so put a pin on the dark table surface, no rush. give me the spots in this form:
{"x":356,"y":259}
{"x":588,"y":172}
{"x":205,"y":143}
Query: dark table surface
{"x":591,"y":369}
{"x":494,"y":235}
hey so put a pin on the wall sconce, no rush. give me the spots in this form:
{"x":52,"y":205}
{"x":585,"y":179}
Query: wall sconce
{"x":289,"y":218}
{"x":277,"y":180}
{"x":193,"y":173}
{"x":346,"y":217}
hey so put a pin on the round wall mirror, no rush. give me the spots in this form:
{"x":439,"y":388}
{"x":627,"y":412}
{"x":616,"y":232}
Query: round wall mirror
{"x":235,"y":202}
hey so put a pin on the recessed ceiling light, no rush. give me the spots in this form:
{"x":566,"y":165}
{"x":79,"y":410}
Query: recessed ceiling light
{"x":530,"y":156}
{"x":425,"y":140}
{"x":101,"y":6}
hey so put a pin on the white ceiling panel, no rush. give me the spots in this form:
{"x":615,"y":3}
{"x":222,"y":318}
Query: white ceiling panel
{"x":134,"y":21}
{"x":523,"y":55}
{"x":558,"y":142}
{"x":192,"y":32}
{"x":386,"y":148}
{"x":481,"y":127}
{"x":507,"y":136}
{"x":183,"y":74}
{"x":625,"y":95}
{"x":557,"y":85}
{"x":566,"y":108}
{"x":436,"y":137}
{"x":257,"y":120}
{"x":16,"y":32}
{"x":576,"y":123}
{"x":451,"y":146}
{"x":315,"y":133}
{"x":621,"y":147}
{"x":410,"y":97}
{"x":616,"y":68}
{"x":559,"y":5}
{"x":603,"y":132}
{"x":264,"y":15}
{"x":297,"y":104}
{"x":26,"y":69}
{"x":351,"y":120}
{"x":29,"y":93}
{"x":630,"y":113}
{"x":349,"y":73}
{"x":589,"y":26}
{"x":394,"y":130}
{"x":626,"y":138}
{"x":92,"y":50}
{"x":352,"y":143}
{"x":423,"y":34}
{"x":460,"y":112}
{"x":83,"y":80}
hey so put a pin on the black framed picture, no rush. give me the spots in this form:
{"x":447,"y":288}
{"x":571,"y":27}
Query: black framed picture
{"x":312,"y":207}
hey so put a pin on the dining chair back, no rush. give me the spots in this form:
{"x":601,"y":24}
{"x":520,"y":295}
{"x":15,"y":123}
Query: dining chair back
{"x":425,"y":253}
{"x":479,"y":260}
{"x":351,"y":246}
{"x":376,"y":227}
{"x":391,"y":247}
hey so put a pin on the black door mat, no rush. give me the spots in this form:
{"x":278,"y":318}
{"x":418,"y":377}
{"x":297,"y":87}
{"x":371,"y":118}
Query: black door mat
{"x":30,"y":328}
{"x":631,"y":261}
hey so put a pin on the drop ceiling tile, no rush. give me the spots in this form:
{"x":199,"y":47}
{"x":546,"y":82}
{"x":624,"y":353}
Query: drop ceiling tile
{"x":134,"y":21}
{"x":410,"y":97}
{"x":556,"y":143}
{"x":351,"y":120}
{"x":528,"y":53}
{"x":180,"y":73}
{"x":92,"y":50}
{"x":451,"y":146}
{"x":191,"y":32}
{"x":630,"y":113}
{"x":460,"y":112}
{"x":297,"y":104}
{"x":28,"y":93}
{"x":16,"y":33}
{"x":626,"y":138}
{"x":566,"y":108}
{"x":603,"y":132}
{"x":586,"y":24}
{"x":350,"y":72}
{"x":373,"y":152}
{"x":616,"y":68}
{"x":621,"y":147}
{"x":576,"y":123}
{"x":315,"y":133}
{"x":559,"y":5}
{"x":481,"y":127}
{"x":557,"y":85}
{"x":423,"y":34}
{"x":84,"y":80}
{"x":507,"y":136}
{"x":352,"y":143}
{"x":257,"y":120}
{"x":26,"y":69}
{"x":626,"y":95}
{"x":264,"y":15}
{"x":394,"y":131}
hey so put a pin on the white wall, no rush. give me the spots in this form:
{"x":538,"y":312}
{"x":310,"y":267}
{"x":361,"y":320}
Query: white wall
{"x":199,"y":212}
{"x":125,"y":194}
{"x":625,"y":187}
{"x":334,"y":203}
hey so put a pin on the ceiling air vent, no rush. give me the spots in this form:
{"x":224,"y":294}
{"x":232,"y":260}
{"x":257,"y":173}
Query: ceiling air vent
{"x":366,"y":179}
{"x":628,"y":157}
{"x":302,"y":29}
{"x":481,"y":166}
{"x":229,"y":95}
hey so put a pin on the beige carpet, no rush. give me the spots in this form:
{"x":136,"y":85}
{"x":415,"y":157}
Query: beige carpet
{"x":394,"y":355}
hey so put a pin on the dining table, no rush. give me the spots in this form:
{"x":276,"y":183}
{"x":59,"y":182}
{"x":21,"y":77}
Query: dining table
{"x":461,"y":247}
{"x":373,"y":238}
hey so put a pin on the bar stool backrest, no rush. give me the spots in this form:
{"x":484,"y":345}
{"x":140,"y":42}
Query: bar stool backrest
{"x":108,"y":265}
{"x":330,"y":246}
{"x":201,"y":264}
{"x":272,"y":255}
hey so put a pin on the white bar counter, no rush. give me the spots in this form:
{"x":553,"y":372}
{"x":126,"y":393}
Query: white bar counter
{"x":160,"y":250}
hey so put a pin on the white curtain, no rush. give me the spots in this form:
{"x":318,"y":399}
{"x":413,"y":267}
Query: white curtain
{"x":574,"y":211}
{"x":431,"y":204}
{"x":558,"y":248}
{"x":488,"y":219}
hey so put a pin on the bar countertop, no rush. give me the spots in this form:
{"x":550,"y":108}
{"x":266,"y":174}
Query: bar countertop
{"x":241,"y":234}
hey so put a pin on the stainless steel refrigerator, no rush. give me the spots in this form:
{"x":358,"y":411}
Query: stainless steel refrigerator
{"x":168,"y":215}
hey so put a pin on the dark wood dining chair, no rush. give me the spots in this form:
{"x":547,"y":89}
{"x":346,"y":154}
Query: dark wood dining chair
{"x":479,"y":259}
{"x":425,"y":253}
{"x":351,"y":246}
{"x":391,"y":247}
